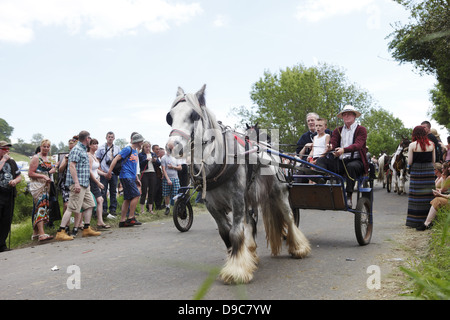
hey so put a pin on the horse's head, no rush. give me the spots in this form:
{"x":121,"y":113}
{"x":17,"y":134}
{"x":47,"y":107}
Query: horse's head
{"x":405,"y":142}
{"x":255,"y":133}
{"x":185,"y":113}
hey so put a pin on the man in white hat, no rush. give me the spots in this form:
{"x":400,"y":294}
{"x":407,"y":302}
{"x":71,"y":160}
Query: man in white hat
{"x":350,"y":156}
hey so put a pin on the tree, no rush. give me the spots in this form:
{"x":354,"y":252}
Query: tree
{"x":384,"y":131}
{"x":24,"y":148}
{"x":121,"y":143}
{"x":441,"y":101}
{"x":425,"y":42}
{"x":5,"y":130}
{"x":36,"y":139}
{"x":283,"y":100}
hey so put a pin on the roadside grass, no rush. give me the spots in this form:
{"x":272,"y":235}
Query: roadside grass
{"x":22,"y":229}
{"x":430,"y":275}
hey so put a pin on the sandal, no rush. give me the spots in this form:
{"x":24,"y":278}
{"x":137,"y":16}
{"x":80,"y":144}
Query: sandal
{"x":104,"y":226}
{"x":44,"y":237}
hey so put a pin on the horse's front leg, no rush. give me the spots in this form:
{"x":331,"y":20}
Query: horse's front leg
{"x":242,"y":259}
{"x":402,"y":182}
{"x":395,"y":180}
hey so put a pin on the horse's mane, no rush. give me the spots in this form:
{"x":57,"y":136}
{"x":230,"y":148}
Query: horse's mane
{"x":198,"y":104}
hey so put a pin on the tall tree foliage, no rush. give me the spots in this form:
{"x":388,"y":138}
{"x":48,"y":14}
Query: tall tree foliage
{"x":384,"y":131}
{"x":282,"y":100}
{"x":5,"y":130}
{"x":425,"y":42}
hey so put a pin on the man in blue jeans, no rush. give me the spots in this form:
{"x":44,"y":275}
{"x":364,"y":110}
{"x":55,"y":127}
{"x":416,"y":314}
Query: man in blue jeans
{"x":129,"y":179}
{"x":105,"y":155}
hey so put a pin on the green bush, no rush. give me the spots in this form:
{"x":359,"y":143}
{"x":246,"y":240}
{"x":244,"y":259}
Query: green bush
{"x":23,"y":208}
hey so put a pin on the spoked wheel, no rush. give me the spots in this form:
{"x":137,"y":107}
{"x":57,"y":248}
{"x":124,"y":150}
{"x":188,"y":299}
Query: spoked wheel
{"x":183,"y":215}
{"x":363,"y":221}
{"x":389,"y":182}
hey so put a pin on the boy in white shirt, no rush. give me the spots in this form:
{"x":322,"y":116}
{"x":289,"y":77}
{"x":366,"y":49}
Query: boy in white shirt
{"x":321,"y":142}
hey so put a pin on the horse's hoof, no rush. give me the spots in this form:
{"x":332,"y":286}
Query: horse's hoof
{"x":301,"y":252}
{"x":231,"y":279}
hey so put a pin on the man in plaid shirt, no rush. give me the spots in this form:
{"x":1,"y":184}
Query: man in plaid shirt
{"x":80,"y":197}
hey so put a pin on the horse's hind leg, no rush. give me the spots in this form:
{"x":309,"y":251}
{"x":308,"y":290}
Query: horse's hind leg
{"x":298,"y":245}
{"x":278,"y":217}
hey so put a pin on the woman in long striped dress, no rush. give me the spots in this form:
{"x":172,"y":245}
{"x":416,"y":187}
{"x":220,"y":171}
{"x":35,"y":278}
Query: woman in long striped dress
{"x":421,"y":158}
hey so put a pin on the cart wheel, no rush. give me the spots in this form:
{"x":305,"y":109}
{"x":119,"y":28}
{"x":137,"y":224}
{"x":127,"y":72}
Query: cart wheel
{"x":363,"y":221}
{"x":183,"y":215}
{"x":389,"y":183}
{"x":296,"y":213}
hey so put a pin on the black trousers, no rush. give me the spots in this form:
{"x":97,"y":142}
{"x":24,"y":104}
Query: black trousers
{"x":351,"y":169}
{"x":148,"y":187}
{"x":6,"y":215}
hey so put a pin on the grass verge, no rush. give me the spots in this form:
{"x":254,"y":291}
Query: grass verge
{"x":22,"y":229}
{"x":430,"y":275}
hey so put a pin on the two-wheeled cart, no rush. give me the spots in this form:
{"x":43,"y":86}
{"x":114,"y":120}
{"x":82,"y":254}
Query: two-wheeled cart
{"x":327,"y":192}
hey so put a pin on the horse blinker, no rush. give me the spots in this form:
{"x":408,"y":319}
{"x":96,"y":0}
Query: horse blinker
{"x":169,"y":119}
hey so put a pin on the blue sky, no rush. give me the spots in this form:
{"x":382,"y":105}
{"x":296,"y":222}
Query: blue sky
{"x":101,"y":65}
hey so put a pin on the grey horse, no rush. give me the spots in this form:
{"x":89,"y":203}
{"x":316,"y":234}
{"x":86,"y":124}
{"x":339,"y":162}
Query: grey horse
{"x":219,"y":160}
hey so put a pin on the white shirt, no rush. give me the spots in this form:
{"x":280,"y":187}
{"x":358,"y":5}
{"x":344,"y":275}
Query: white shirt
{"x":319,"y":146}
{"x":347,"y":135}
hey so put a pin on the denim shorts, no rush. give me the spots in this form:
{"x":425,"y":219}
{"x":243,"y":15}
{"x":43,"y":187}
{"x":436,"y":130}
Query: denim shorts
{"x":130,"y":189}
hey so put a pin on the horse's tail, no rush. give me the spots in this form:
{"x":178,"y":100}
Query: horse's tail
{"x":274,"y":225}
{"x":381,"y":169}
{"x":279,"y":224}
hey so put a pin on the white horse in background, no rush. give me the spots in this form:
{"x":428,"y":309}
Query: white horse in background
{"x":383,"y":166}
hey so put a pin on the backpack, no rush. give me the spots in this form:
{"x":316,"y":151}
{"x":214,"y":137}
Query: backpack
{"x":118,"y":167}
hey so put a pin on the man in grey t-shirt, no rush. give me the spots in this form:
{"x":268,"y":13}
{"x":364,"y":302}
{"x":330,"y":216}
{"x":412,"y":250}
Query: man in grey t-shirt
{"x":170,"y":181}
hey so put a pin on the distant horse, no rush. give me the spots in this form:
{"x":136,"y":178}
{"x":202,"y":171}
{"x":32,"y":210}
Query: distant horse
{"x":230,"y":193}
{"x":398,"y":166}
{"x":383,"y":168}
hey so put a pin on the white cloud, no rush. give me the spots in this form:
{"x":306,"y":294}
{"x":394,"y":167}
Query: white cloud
{"x":99,"y":18}
{"x":317,"y":10}
{"x":221,"y":21}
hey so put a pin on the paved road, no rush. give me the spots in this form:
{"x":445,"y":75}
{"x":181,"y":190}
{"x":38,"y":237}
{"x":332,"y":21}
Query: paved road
{"x":155,"y":261}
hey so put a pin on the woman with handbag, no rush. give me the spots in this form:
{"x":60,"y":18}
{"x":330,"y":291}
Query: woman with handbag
{"x":39,"y":173}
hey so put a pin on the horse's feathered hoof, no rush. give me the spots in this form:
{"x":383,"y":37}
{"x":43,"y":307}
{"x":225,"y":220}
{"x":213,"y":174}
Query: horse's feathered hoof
{"x":301,"y":252}
{"x":299,"y":246}
{"x":235,"y":278}
{"x":239,"y":268}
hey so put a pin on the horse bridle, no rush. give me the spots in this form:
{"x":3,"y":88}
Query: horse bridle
{"x":194,"y":117}
{"x":217,"y":176}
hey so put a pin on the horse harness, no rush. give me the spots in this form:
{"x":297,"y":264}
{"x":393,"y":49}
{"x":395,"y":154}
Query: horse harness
{"x":220,"y":175}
